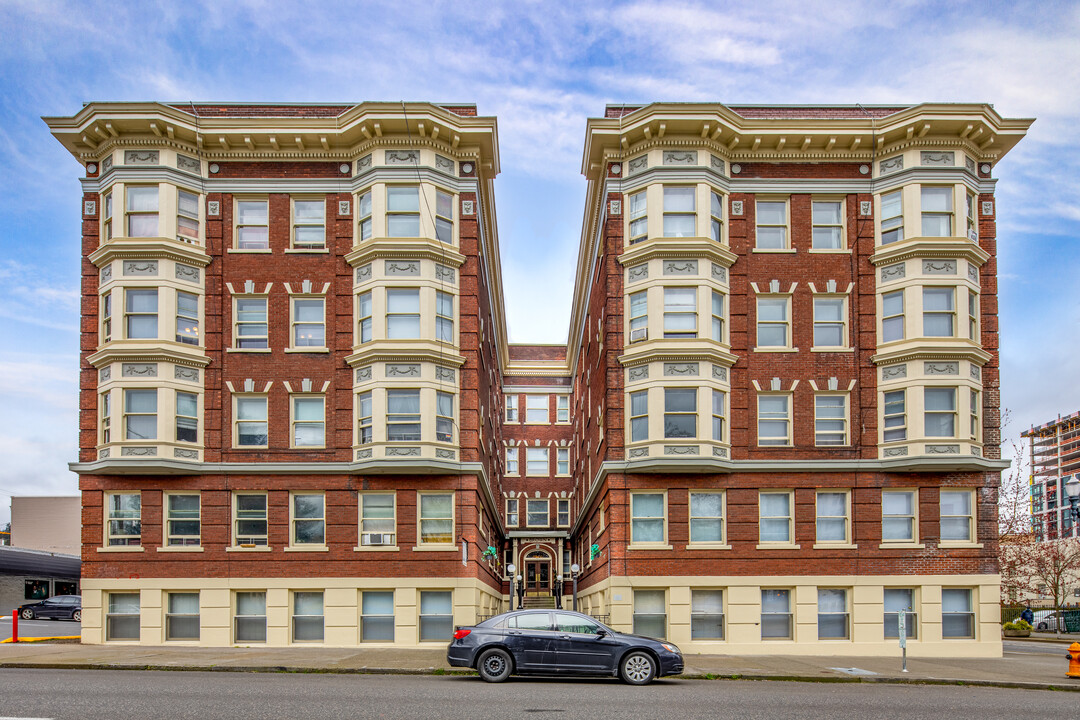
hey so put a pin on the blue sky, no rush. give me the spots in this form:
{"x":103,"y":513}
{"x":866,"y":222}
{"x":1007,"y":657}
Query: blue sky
{"x":542,"y":68}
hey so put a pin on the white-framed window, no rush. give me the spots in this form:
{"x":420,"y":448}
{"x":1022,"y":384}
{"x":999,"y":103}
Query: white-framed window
{"x":706,"y":614}
{"x":252,"y":225}
{"x":251,"y":421}
{"x":772,"y":225}
{"x":308,"y":623}
{"x":717,"y":316}
{"x":182,"y":519}
{"x":512,"y":455}
{"x":364,"y":433}
{"x":562,"y":408}
{"x":536,"y":409}
{"x":774,"y":420}
{"x":182,"y":616}
{"x":377,"y":616}
{"x":834,"y":618}
{"x":774,"y":322}
{"x":403,"y":211}
{"x":444,"y":416}
{"x":252,"y":329}
{"x":680,"y":218}
{"x":141,"y":313}
{"x":892,"y":316}
{"x":972,"y":220}
{"x":957,"y":515}
{"x":716,"y":217}
{"x":106,"y":317}
{"x":680,"y":312}
{"x":436,"y":615}
{"x":249,"y":623}
{"x":123,"y":519}
{"x":898,"y":515}
{"x":403,"y":313}
{"x":309,"y":223}
{"x":363,"y":317}
{"x":309,"y":322}
{"x":536,"y":461}
{"x":444,"y":217}
{"x":937,"y":211}
{"x":187,"y":318}
{"x":363,"y":216}
{"x":897,"y":599}
{"x":650,"y":613}
{"x":680,"y":412}
{"x":775,"y":519}
{"x":309,"y":421}
{"x":828,"y":225}
{"x":403,"y":415}
{"x":957,"y":613}
{"x":562,"y":461}
{"x":249,"y":519}
{"x":140,"y":414}
{"x":939,"y":412}
{"x":511,"y":408}
{"x":639,"y":416}
{"x":105,"y":405}
{"x":892,"y":217}
{"x":719,"y":403}
{"x":436,"y":518}
{"x":830,"y":419}
{"x":776,"y":616}
{"x":511,"y":512}
{"x":562,"y":512}
{"x":107,"y":215}
{"x":973,"y":315}
{"x":308,"y":519}
{"x":939,"y":312}
{"x":142,"y":211}
{"x":832,"y":524}
{"x":895,"y":409}
{"x":648,"y":514}
{"x":639,"y":217}
{"x":187,"y":216}
{"x":444,"y":316}
{"x":122,"y":616}
{"x":639,"y":316}
{"x":973,"y":410}
{"x":830,"y":322}
{"x":536,"y":512}
{"x":706,"y":517}
{"x":378,"y":523}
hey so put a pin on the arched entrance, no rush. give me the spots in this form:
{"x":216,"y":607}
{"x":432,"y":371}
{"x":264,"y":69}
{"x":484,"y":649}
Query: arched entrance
{"x":537,"y":572}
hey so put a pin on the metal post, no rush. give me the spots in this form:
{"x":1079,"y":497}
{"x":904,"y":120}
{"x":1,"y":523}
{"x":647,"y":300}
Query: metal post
{"x":574,"y":570}
{"x":15,"y":625}
{"x":901,"y":621}
{"x":512,"y":569}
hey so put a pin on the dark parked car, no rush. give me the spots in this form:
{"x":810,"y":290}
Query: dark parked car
{"x":558,"y":642}
{"x":58,"y":607}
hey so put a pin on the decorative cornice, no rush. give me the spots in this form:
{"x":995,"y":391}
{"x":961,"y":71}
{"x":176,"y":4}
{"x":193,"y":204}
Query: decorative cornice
{"x":930,"y":248}
{"x":668,"y":353}
{"x":149,"y":248}
{"x":971,"y":353}
{"x":678,"y":248}
{"x":402,"y":248}
{"x":120,"y":353}
{"x":392,"y":351}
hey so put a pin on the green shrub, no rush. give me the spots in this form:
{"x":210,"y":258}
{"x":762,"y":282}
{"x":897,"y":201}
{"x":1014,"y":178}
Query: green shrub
{"x":1018,"y":624}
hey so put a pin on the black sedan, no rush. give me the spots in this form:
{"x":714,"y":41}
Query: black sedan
{"x":58,"y":607}
{"x":558,"y":642}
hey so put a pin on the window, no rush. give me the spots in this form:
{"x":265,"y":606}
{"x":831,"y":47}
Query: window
{"x":562,"y":461}
{"x":437,"y":518}
{"x":956,"y":516}
{"x":444,"y":417}
{"x":776,"y":615}
{"x":937,"y":209}
{"x":773,"y":322}
{"x":939,"y":312}
{"x":775,"y":521}
{"x":832,"y":517}
{"x":562,"y":408}
{"x":403,"y":415}
{"x":897,"y":599}
{"x":123,"y":525}
{"x":512,"y":512}
{"x":717,"y":316}
{"x":774,"y":419}
{"x":444,"y":217}
{"x":639,"y":416}
{"x":403,"y":313}
{"x":182,"y":523}
{"x":249,"y":520}
{"x":892,"y":316}
{"x":679,"y":216}
{"x":536,"y":461}
{"x":974,"y":410}
{"x":562,"y":513}
{"x":140,"y":314}
{"x":716,"y":216}
{"x":308,"y":519}
{"x":250,"y":620}
{"x":973,"y":316}
{"x":252,"y":225}
{"x":680,"y":312}
{"x":833,"y":618}
{"x":650,"y":613}
{"x":639,"y":218}
{"x":107,"y":233}
{"x":106,"y":317}
{"x":378,"y":525}
{"x":647,"y":517}
{"x":377,"y":616}
{"x":771,"y":225}
{"x":536,"y":513}
{"x":122,"y":618}
{"x":512,"y":454}
{"x":187,"y":216}
{"x":536,"y":408}
{"x":892,"y":217}
{"x":972,"y":221}
{"x":895,"y":416}
{"x":363,"y":214}
{"x":444,"y":316}
{"x":251,"y":426}
{"x":309,"y":421}
{"x":639,"y":316}
{"x":830,"y":420}
{"x":363,"y":315}
{"x":251,"y":325}
{"x":680,"y":412}
{"x":187,"y":318}
{"x":706,"y":614}
{"x":939,"y":415}
{"x":511,"y":408}
{"x":706,"y":517}
{"x":403,"y":211}
{"x":436,"y":616}
{"x":828,"y":229}
{"x":957,"y":614}
{"x":182,"y":616}
{"x":718,"y":401}
{"x":309,"y":325}
{"x":309,"y":223}
{"x":898,"y":516}
{"x":307,"y":617}
{"x":140,"y":414}
{"x":830,"y":322}
{"x":106,"y":417}
{"x":142,"y":211}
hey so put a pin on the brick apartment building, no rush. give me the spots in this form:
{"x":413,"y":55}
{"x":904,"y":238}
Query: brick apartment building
{"x":774,"y":425}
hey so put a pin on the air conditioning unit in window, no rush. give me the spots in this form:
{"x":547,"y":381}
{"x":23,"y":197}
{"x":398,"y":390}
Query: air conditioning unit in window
{"x":639,"y":334}
{"x":973,"y":235}
{"x":377,"y":539}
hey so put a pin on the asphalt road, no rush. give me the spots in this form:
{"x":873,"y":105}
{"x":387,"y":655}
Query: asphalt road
{"x":40,"y":628}
{"x":1037,"y":648}
{"x":90,"y":694}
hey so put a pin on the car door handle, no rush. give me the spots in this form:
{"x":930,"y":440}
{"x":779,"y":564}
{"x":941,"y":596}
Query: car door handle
{"x":564,"y":637}
{"x":513,"y":632}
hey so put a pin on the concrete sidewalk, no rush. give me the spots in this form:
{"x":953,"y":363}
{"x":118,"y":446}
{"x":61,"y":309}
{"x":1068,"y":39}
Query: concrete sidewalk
{"x":1042,"y":668}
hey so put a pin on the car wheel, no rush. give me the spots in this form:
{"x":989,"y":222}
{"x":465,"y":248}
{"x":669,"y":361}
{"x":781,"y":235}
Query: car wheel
{"x":637,"y":668}
{"x":77,"y":616}
{"x":27,"y":614}
{"x":1041,"y":626}
{"x":494,"y":665}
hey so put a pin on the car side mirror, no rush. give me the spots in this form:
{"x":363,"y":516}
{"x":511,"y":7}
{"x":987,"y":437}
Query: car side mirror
{"x":601,"y":633}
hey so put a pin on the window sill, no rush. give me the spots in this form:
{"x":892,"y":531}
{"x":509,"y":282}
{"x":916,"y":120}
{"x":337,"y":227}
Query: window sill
{"x":248,"y":350}
{"x":954,"y":544}
{"x":262,"y":251}
{"x":377,"y":548}
{"x":708,"y":546}
{"x":257,"y":548}
{"x":182,"y":549}
{"x":832,"y":350}
{"x":307,"y":350}
{"x":122,"y":549}
{"x":301,"y":548}
{"x":901,"y":546}
{"x":777,"y":546}
{"x":649,"y":546}
{"x":308,"y":251}
{"x":835,"y":546}
{"x":436,"y":548}
{"x":774,"y":250}
{"x":776,"y":350}
{"x":830,"y":251}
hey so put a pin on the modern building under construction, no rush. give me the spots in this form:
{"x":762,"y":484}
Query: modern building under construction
{"x":1054,"y":453}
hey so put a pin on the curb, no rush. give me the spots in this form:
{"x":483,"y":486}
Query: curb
{"x":43,"y":639}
